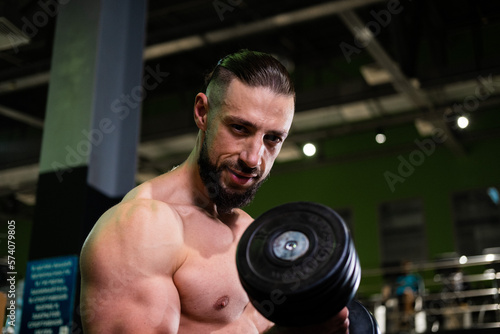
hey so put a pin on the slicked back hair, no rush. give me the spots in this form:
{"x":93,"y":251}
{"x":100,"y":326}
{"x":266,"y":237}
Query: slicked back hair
{"x":255,"y":69}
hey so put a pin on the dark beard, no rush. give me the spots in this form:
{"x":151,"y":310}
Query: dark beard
{"x":225,"y":199}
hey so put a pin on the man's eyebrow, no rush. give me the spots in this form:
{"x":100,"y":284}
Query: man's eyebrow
{"x":230,"y":119}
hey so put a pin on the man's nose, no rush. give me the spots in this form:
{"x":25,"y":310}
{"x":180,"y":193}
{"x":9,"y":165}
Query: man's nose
{"x":253,"y":151}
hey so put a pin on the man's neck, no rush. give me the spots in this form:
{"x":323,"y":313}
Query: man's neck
{"x":198,"y":194}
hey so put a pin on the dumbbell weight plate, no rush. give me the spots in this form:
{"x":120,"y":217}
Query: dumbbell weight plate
{"x":361,"y":320}
{"x":298,"y":264}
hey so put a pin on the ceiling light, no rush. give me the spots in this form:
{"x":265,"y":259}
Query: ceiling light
{"x":380,"y":136}
{"x":309,"y":149}
{"x":462,"y":122}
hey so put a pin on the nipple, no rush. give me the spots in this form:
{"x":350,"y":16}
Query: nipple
{"x":221,"y":303}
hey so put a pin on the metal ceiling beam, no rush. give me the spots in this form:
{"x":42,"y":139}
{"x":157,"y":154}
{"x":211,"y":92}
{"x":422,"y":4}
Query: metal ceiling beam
{"x":274,"y":22}
{"x":24,"y":82}
{"x":23,"y":177}
{"x":400,"y":82}
{"x":21,"y":117}
{"x":216,"y":36}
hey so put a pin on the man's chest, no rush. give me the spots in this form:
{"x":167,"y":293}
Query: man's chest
{"x":208,"y":282}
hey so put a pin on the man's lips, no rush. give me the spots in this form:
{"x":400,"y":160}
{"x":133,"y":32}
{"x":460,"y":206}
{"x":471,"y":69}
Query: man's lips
{"x":240,"y":177}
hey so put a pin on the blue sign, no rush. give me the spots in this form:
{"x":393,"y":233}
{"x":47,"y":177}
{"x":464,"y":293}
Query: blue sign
{"x":49,"y":294}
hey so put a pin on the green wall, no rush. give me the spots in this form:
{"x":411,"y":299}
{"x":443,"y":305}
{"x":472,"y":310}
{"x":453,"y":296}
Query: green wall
{"x":350,"y":174}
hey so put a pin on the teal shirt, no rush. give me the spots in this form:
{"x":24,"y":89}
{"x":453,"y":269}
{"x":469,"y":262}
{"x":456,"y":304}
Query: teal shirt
{"x":409,"y":281}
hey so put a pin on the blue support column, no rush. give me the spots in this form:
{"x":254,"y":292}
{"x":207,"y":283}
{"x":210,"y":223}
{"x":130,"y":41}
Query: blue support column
{"x":91,"y":132}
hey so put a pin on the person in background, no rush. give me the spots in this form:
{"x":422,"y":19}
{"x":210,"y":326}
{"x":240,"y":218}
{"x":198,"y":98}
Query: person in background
{"x":408,"y":288}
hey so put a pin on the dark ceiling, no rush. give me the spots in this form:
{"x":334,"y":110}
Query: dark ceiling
{"x":437,"y":43}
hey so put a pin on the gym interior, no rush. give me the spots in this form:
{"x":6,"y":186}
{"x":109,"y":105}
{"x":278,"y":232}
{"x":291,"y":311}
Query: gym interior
{"x":397,"y":128}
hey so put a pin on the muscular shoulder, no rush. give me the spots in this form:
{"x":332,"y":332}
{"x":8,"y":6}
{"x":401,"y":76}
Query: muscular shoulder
{"x":137,"y":232}
{"x":244,"y":219}
{"x":127,"y":264}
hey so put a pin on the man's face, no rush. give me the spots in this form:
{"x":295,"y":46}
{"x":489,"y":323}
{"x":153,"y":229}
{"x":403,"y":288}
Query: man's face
{"x":243,"y":139}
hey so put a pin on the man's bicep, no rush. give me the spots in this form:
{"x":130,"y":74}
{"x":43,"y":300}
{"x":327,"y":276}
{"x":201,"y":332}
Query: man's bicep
{"x":127,"y":264}
{"x":149,"y":306}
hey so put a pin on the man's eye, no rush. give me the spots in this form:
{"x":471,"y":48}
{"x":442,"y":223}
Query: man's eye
{"x":274,"y":139}
{"x":238,"y":128}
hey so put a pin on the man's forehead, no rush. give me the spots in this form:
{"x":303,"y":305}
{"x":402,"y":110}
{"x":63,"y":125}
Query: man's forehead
{"x":281,"y":110}
{"x":237,"y":90}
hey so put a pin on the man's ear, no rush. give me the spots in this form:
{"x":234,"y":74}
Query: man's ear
{"x":201,"y":111}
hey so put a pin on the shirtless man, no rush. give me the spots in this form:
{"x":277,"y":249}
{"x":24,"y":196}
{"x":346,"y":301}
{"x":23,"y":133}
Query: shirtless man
{"x":163,"y":260}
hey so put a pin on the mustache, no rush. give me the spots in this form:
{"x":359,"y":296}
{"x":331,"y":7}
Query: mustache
{"x":240,"y":166}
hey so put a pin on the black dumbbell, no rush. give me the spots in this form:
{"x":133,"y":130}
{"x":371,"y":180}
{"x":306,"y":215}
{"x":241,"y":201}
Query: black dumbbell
{"x":299,"y":266}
